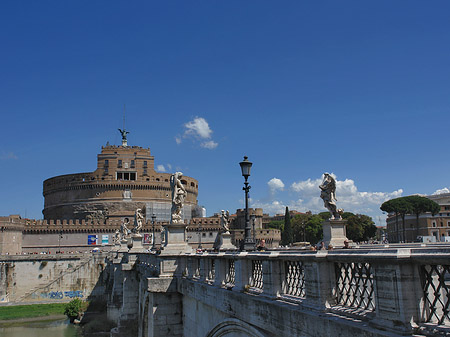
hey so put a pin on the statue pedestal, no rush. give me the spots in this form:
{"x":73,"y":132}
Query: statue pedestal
{"x":334,"y":233}
{"x":176,"y":242}
{"x":137,"y":244}
{"x":225,"y":242}
{"x":123,"y":246}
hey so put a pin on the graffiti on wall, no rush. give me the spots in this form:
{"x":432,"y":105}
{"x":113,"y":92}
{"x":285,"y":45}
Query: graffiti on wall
{"x":59,"y":295}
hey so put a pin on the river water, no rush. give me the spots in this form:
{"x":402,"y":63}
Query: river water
{"x":59,"y":328}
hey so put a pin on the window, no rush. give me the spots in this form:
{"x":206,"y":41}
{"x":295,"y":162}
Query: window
{"x":434,"y":223}
{"x":442,"y":224}
{"x":106,"y":170}
{"x":448,"y":223}
{"x":106,"y":163}
{"x":145,"y":172}
{"x":119,"y":163}
{"x":126,"y":175}
{"x":145,"y":164}
{"x":132,"y":164}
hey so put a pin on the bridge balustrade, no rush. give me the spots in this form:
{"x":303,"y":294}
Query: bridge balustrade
{"x":398,"y":289}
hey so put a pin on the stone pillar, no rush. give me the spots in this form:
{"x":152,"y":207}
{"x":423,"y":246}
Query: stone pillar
{"x":123,"y":246}
{"x":225,"y":242}
{"x":137,"y":244}
{"x":319,"y":282}
{"x":165,"y":308}
{"x":334,"y":233}
{"x":116,"y":299}
{"x":176,"y":242}
{"x":220,"y":266}
{"x":243,"y":269}
{"x":398,"y":292}
{"x":130,"y":306}
{"x":272,"y":276}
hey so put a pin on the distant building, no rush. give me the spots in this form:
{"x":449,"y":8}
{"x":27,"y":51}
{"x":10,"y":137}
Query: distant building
{"x":429,"y":225}
{"x":125,"y":180}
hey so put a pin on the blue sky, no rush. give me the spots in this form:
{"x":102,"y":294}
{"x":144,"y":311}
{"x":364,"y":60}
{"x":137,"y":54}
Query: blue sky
{"x":356,"y":88}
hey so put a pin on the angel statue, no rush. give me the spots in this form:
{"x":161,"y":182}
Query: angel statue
{"x":178,"y":196}
{"x":124,"y":228}
{"x":138,"y":220}
{"x":328,"y":196}
{"x":225,"y":221}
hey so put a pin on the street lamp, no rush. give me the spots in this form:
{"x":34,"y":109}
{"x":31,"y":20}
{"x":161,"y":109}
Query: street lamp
{"x":153,"y":231}
{"x":253,"y":218}
{"x":247,"y":244}
{"x":199,"y":237}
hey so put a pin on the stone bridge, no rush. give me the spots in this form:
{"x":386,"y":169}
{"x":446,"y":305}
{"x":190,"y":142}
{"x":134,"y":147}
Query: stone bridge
{"x":374,"y":292}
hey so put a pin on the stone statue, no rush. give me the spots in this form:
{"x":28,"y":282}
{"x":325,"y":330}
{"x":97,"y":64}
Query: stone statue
{"x":178,"y":196}
{"x":225,"y":221}
{"x":163,"y":235}
{"x":117,"y":235}
{"x":138,"y":220}
{"x":328,"y":195}
{"x":125,"y":232}
{"x":124,"y":134}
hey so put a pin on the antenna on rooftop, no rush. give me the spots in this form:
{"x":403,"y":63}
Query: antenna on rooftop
{"x":124,"y":109}
{"x":123,"y":131}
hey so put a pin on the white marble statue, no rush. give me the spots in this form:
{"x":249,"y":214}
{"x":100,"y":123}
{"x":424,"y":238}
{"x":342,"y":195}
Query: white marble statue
{"x":225,"y":221}
{"x":178,"y":195}
{"x":328,"y":196}
{"x":124,"y":231}
{"x":138,"y":221}
{"x":163,"y":235}
{"x":117,"y":235}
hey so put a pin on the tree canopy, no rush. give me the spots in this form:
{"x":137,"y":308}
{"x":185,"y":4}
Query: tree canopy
{"x":412,"y":204}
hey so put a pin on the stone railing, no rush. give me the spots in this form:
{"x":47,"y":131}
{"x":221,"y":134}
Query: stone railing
{"x":405,"y":290}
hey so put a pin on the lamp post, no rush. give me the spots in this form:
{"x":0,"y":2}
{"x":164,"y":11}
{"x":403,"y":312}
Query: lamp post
{"x":253,"y":218}
{"x":153,"y":231}
{"x":199,"y":237}
{"x":247,"y":244}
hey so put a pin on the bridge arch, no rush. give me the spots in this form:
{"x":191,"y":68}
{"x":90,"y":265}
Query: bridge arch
{"x":234,"y":328}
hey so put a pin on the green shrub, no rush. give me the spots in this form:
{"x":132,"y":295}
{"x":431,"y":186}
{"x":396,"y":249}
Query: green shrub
{"x":73,"y":308}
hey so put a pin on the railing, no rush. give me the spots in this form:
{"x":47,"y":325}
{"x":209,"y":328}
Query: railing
{"x":374,"y":285}
{"x":354,"y":286}
{"x":436,"y":293}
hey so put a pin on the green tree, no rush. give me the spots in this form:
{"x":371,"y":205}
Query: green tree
{"x":286,"y":234}
{"x":360,"y":227}
{"x":298,"y":224}
{"x":314,"y":231}
{"x":412,"y":204}
{"x":73,"y":309}
{"x":421,"y":205}
{"x":276,"y":224}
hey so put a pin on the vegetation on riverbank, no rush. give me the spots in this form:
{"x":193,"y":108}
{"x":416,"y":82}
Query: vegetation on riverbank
{"x":31,"y":310}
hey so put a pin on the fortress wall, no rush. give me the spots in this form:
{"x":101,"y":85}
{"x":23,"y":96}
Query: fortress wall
{"x":51,"y":279}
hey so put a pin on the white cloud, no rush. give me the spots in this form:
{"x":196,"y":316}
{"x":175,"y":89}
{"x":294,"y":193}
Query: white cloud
{"x":198,"y":127}
{"x":442,"y":191}
{"x":349,"y":198}
{"x":210,"y":144}
{"x":161,"y":168}
{"x":275,"y":184}
{"x":304,"y":195}
{"x":198,"y":130}
{"x":8,"y":156}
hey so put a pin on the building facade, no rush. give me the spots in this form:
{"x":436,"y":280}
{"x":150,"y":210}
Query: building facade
{"x":437,"y":226}
{"x":125,"y":180}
